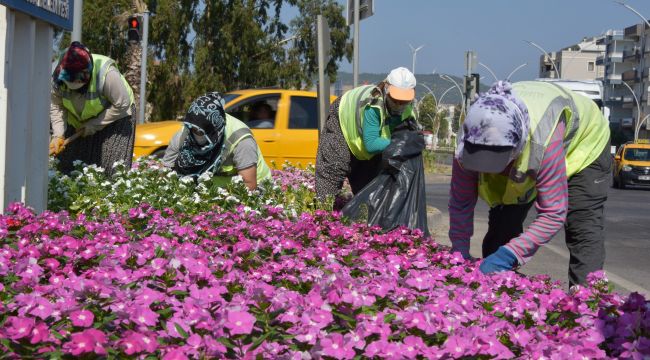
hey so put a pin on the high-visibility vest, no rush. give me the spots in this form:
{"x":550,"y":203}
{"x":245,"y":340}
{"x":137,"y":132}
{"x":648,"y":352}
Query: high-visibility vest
{"x":236,"y":131}
{"x":95,"y":102}
{"x":587,"y":133}
{"x":351,"y":116}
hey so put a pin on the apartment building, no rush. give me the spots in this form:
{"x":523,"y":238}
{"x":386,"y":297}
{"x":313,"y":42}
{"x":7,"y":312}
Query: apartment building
{"x":575,"y":62}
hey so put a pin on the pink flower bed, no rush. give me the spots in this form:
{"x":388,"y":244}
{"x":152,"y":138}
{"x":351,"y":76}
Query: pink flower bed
{"x":162,"y":285}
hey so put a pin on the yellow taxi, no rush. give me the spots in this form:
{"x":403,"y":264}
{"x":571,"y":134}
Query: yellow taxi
{"x":284,"y":124}
{"x":632,"y":164}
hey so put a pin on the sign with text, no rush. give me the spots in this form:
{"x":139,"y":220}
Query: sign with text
{"x":55,"y":12}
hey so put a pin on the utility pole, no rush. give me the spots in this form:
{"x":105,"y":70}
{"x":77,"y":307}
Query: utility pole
{"x":143,"y":67}
{"x":323,"y":50}
{"x":471,"y":60}
{"x":357,"y":11}
{"x":355,"y":68}
{"x":76,"y":20}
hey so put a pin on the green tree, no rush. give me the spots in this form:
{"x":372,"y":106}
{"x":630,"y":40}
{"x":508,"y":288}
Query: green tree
{"x":427,"y":112}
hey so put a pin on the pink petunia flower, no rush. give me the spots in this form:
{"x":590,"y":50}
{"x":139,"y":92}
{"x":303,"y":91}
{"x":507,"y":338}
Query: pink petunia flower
{"x":19,"y":327}
{"x":82,"y":318}
{"x":40,"y":332}
{"x":335,"y":346}
{"x":42,"y":309}
{"x":240,"y":322}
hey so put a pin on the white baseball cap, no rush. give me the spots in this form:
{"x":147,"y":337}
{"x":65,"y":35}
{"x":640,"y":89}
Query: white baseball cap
{"x":401,"y":84}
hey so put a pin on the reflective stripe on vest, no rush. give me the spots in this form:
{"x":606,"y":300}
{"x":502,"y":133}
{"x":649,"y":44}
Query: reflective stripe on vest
{"x":236,"y":131}
{"x":94,"y":103}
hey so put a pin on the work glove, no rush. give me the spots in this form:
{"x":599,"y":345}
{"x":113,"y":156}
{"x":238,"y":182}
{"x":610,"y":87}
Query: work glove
{"x":56,"y":145}
{"x":90,"y":129}
{"x":502,"y":260}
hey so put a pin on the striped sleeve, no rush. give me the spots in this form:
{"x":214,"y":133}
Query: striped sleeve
{"x":552,"y":201}
{"x":462,"y":200}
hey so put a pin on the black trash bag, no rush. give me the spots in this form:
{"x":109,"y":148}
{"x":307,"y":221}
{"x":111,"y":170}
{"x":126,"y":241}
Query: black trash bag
{"x":396,"y":196}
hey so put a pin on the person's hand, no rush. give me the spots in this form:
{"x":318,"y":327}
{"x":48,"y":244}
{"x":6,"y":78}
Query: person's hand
{"x":502,"y":260}
{"x":90,"y":129}
{"x":56,"y":145}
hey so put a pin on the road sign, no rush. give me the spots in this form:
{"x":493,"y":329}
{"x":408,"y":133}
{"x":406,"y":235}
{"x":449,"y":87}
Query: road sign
{"x":366,"y":9}
{"x":55,"y":12}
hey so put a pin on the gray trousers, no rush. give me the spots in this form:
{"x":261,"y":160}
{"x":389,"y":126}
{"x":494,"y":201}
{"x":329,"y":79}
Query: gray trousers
{"x":585,"y":225}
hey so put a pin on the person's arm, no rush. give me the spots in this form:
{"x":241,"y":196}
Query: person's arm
{"x":245,"y":157}
{"x":116,"y":92}
{"x":249,"y":175}
{"x":462,"y":201}
{"x":171,"y":153}
{"x":56,"y":114}
{"x":372,"y":139}
{"x":552,"y":201}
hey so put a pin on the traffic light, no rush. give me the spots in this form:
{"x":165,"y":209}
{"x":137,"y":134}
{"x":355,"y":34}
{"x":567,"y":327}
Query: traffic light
{"x":135,"y":29}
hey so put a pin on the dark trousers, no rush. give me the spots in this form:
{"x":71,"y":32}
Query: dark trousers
{"x":585,"y":225}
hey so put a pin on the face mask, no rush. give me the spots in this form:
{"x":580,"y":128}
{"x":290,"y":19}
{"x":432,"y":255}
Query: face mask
{"x":394,"y":109}
{"x":74,"y":85}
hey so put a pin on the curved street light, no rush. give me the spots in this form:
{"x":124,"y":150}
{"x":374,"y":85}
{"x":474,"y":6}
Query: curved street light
{"x":547,"y":55}
{"x":638,"y":109}
{"x":634,"y":11}
{"x":515,"y":70}
{"x":496,"y":79}
{"x":638,"y":127}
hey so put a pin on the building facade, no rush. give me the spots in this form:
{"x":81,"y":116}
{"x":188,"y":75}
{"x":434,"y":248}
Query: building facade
{"x":626,"y":79}
{"x":575,"y":62}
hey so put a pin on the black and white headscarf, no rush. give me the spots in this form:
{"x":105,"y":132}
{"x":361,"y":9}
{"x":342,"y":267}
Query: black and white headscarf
{"x":205,"y":113}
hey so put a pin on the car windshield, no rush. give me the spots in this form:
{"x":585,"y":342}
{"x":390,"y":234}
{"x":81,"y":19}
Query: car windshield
{"x":637,"y":154}
{"x":230,"y":97}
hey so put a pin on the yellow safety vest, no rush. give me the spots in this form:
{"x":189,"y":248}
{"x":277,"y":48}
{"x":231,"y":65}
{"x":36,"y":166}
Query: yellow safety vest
{"x":586,"y":135}
{"x":237,"y":131}
{"x":351,"y":116}
{"x":95,"y":102}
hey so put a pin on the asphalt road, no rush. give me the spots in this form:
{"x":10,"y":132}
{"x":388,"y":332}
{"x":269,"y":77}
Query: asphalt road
{"x":627,"y":214}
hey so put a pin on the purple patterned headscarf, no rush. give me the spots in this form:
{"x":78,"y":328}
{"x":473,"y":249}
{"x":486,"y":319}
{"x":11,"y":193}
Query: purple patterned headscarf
{"x":497,"y":118}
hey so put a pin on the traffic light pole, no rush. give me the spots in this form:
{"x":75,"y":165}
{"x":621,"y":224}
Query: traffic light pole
{"x":143,"y":68}
{"x":76,"y":20}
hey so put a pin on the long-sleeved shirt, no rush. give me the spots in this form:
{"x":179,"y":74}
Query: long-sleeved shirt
{"x":372,"y":139}
{"x":552,"y":203}
{"x":114,"y":91}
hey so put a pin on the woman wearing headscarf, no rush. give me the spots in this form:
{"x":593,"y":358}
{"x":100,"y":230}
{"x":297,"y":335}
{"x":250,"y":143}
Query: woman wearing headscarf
{"x":532,"y":142}
{"x":90,"y":98}
{"x":214,"y":142}
{"x":358,"y":129}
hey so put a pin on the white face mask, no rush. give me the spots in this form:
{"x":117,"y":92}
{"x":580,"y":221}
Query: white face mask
{"x":74,"y":85}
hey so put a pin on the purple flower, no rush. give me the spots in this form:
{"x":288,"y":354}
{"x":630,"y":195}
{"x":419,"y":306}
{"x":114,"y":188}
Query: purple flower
{"x":82,"y":318}
{"x":335,"y":346}
{"x":239,"y":322}
{"x":19,"y":327}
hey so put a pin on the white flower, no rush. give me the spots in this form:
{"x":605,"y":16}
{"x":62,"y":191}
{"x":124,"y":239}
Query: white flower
{"x":237,"y":179}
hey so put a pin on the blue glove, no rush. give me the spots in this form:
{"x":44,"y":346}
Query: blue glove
{"x":502,"y":260}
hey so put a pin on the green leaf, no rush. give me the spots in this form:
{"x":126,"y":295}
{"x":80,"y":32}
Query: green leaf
{"x":226,"y":342}
{"x":388,"y":318}
{"x":182,"y":332}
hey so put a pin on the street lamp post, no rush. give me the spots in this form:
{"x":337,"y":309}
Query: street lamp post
{"x":638,"y":109}
{"x":515,"y":70}
{"x":547,"y":55}
{"x":415,"y":52}
{"x":491,"y":72}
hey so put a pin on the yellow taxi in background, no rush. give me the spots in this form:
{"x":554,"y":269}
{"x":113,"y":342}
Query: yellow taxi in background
{"x":632,"y":164}
{"x":284,"y":124}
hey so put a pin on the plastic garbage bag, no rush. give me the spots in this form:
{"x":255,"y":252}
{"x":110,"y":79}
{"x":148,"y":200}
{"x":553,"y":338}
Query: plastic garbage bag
{"x":397,"y":195}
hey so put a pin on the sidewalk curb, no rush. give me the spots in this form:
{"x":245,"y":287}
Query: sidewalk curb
{"x":434,"y":216}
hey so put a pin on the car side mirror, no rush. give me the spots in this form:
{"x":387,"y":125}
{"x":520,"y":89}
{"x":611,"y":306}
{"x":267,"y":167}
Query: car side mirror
{"x":617,"y":157}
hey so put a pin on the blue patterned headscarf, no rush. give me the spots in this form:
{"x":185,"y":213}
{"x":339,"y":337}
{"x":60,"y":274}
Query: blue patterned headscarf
{"x":497,"y":118}
{"x":205,"y":113}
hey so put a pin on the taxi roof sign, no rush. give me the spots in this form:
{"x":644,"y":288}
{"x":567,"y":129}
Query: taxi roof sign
{"x":642,"y":141}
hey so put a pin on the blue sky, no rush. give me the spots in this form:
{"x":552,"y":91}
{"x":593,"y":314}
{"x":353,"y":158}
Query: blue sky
{"x":495,"y":29}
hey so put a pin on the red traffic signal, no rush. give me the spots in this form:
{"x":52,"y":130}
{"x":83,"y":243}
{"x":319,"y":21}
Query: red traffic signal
{"x":133,"y":34}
